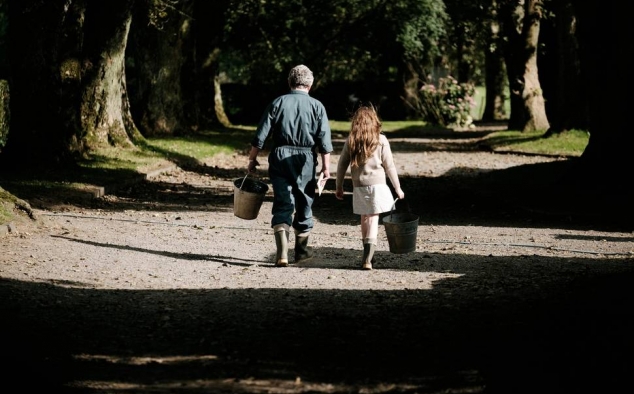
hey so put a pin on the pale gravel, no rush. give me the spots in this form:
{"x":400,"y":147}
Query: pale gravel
{"x":194,"y":249}
{"x":495,"y":299}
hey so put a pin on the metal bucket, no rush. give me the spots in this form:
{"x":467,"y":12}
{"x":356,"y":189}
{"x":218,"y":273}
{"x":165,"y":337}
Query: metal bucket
{"x":401,"y":230}
{"x":248,"y":195}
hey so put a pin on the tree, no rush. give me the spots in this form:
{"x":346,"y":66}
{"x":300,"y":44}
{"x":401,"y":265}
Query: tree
{"x":520,"y":23}
{"x":364,"y":45}
{"x":423,"y":37}
{"x":495,"y":76}
{"x":467,"y":38}
{"x":210,"y":50}
{"x":606,"y":46}
{"x":160,"y":56}
{"x":68,"y":87}
{"x":560,"y":71}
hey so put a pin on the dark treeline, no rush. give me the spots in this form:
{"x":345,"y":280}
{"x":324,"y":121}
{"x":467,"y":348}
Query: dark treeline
{"x":84,"y":74}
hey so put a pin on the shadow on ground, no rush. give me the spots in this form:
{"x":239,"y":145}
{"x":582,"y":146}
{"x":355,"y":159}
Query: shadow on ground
{"x":564,"y":326}
{"x":556,"y":326}
{"x":532,"y":195}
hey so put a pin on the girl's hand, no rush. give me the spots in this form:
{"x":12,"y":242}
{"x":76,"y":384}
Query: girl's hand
{"x":339,"y":194}
{"x":400,"y":193}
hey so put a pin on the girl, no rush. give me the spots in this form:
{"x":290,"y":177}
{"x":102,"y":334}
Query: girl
{"x":367,"y":152}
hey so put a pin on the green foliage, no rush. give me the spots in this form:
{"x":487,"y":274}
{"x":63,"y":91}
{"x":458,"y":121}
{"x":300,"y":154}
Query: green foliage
{"x":422,"y":26}
{"x":470,"y":35}
{"x":342,"y":40}
{"x":448,"y":104}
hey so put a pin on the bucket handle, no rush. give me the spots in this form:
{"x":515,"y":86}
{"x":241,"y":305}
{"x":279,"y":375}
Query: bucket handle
{"x":243,"y":179}
{"x":393,"y":206}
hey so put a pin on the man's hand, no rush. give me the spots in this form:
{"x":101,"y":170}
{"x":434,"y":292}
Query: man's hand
{"x":252,"y":167}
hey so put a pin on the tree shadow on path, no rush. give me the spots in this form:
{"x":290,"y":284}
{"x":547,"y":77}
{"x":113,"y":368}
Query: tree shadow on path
{"x":563,"y":326}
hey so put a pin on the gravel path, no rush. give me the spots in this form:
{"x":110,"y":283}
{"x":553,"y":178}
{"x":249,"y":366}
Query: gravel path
{"x":159,"y":287}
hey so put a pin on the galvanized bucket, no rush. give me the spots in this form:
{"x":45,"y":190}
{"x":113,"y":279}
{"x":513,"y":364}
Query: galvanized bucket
{"x":401,"y":230}
{"x":248,"y":196}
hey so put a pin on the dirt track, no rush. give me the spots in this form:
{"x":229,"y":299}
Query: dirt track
{"x":160,"y":288}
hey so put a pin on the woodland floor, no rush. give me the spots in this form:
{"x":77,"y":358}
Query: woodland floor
{"x":519,"y":283}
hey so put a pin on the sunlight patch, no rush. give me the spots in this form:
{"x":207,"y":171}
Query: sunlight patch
{"x":144,"y":360}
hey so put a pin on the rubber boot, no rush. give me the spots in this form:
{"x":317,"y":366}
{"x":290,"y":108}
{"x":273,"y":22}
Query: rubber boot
{"x":281,"y":242}
{"x":369,"y":244}
{"x":302,"y":251}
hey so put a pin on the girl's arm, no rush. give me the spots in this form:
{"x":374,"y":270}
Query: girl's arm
{"x":390,"y":168}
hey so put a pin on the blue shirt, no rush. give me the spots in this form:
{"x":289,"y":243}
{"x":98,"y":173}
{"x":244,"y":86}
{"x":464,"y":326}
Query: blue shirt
{"x":295,"y":119}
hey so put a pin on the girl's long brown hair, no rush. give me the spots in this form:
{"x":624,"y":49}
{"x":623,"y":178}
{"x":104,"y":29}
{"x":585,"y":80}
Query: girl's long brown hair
{"x":365,"y":129}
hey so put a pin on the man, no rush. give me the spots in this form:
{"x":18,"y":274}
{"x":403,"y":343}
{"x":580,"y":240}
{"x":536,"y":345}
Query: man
{"x":299,"y":128}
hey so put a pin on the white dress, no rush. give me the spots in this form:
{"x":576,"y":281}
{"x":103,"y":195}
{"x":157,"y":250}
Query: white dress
{"x":369,"y":200}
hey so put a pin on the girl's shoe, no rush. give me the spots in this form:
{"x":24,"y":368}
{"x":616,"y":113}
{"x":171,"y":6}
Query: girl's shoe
{"x":368,"y":254}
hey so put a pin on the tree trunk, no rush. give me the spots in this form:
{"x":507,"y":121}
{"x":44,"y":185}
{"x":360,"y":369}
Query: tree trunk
{"x":209,"y":42}
{"x":464,"y":53}
{"x":606,"y":73}
{"x":39,"y":87}
{"x":159,"y":49}
{"x":565,"y":94}
{"x":67,"y":82}
{"x":219,"y":105}
{"x":4,"y":112}
{"x":521,"y":25}
{"x":411,"y":86}
{"x":533,"y":96}
{"x":103,"y":98}
{"x":495,"y":78}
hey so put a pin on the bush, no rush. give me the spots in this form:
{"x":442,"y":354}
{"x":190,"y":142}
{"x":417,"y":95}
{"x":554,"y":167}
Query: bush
{"x":447,"y":105}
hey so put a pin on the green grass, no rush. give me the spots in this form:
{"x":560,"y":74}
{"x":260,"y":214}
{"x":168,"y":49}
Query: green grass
{"x":114,"y":165}
{"x":340,"y":126}
{"x":180,"y":149}
{"x":203,"y":145}
{"x":6,"y":201}
{"x":195,"y":148}
{"x":567,"y":143}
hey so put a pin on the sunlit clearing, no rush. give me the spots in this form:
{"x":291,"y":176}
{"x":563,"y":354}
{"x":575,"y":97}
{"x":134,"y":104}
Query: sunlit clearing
{"x":251,"y":385}
{"x":143,"y":360}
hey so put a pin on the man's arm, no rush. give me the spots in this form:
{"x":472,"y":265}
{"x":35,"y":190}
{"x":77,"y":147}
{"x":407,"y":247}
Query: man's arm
{"x":325,"y":165}
{"x":253,"y":159}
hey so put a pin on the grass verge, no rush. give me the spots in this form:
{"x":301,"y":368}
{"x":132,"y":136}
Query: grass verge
{"x":111,"y":166}
{"x":568,"y":143}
